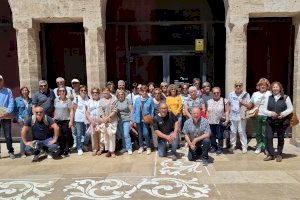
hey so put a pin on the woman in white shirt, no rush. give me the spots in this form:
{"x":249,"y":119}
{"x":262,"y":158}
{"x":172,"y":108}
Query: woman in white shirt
{"x":278,"y":108}
{"x":80,"y":105}
{"x":258,"y":100}
{"x":93,"y":117}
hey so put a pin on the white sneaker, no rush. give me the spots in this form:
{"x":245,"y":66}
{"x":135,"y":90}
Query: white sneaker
{"x":80,"y":152}
{"x":257,"y":151}
{"x":49,"y":156}
{"x":148,"y":151}
{"x":141,"y":149}
{"x":232,"y":148}
{"x":129,"y":152}
{"x":244,"y":150}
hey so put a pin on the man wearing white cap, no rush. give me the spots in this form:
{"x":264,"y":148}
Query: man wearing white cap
{"x":6,"y":110}
{"x":61,"y":83}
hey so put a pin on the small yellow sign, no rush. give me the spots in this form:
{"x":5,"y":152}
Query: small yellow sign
{"x":199,"y":45}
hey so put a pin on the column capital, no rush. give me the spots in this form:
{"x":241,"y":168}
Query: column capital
{"x":25,"y":24}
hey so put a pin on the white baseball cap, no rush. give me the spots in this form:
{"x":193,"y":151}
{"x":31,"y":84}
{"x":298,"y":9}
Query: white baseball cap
{"x":75,"y":81}
{"x":1,"y":77}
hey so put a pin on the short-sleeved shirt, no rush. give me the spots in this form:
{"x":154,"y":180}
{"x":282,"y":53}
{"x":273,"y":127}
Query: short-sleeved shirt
{"x":45,"y":100}
{"x":93,"y":107}
{"x":40,"y":131}
{"x":215,"y":110}
{"x":81,"y":108}
{"x":191,"y":103}
{"x":234,"y":102}
{"x":62,"y":109}
{"x":195,"y":130}
{"x":259,"y":100}
{"x":123,"y":110}
{"x":165,"y":124}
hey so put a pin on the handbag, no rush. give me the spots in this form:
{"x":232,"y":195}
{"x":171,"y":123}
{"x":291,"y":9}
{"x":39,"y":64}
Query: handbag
{"x":293,"y":119}
{"x":146,"y":118}
{"x":252,"y":113}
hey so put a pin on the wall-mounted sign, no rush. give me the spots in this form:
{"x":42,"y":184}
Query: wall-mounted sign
{"x":199,"y":45}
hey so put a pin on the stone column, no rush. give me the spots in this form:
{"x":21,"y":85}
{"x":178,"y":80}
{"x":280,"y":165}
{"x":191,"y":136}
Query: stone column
{"x":296,"y":87}
{"x":236,"y":54}
{"x":28,"y":45}
{"x":95,"y":56}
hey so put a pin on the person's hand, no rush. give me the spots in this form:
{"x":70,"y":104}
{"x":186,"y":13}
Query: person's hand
{"x":71,"y":124}
{"x":194,"y":142}
{"x":192,"y":146}
{"x":28,"y":144}
{"x":52,"y":142}
{"x":173,"y":135}
{"x":225,"y":123}
{"x":279,"y":117}
{"x":274,"y":114}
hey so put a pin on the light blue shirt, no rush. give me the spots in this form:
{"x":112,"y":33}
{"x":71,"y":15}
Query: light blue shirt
{"x":6,"y":99}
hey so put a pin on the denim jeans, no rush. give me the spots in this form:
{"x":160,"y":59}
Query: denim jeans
{"x":124,"y":128}
{"x":143,"y":130}
{"x":6,"y":125}
{"x":163,"y":145}
{"x":42,"y":145}
{"x":216,"y":133}
{"x":80,"y":132}
{"x":201,"y":149}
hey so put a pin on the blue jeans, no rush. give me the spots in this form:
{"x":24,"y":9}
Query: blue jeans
{"x":80,"y":132}
{"x":143,"y":130}
{"x":6,"y":125}
{"x":202,"y":150}
{"x":42,"y":145}
{"x":163,"y":144}
{"x":124,"y":128}
{"x":217,"y":133}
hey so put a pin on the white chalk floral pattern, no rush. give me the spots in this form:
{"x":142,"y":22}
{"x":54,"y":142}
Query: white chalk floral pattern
{"x":21,"y":189}
{"x":178,"y":167}
{"x":101,"y":189}
{"x":173,"y":188}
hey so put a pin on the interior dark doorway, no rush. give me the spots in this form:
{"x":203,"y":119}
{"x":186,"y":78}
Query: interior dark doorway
{"x":162,"y":34}
{"x":270,"y":52}
{"x":63,"y":52}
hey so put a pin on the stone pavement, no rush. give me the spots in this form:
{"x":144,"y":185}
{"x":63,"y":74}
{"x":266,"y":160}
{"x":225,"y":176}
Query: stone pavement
{"x":230,"y":176}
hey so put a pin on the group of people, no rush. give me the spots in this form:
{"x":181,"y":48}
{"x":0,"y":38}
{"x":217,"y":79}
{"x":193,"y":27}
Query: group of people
{"x":53,"y":122}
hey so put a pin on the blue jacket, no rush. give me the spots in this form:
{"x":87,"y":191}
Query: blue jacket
{"x":7,"y":99}
{"x":22,"y":112}
{"x":148,"y":108}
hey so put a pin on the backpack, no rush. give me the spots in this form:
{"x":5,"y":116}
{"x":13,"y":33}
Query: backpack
{"x":33,"y":120}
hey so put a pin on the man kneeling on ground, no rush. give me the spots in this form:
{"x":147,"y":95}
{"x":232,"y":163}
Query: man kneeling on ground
{"x":42,"y":140}
{"x":166,"y":127}
{"x":196,"y":131}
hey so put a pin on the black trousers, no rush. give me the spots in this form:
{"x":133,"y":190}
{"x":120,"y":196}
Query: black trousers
{"x":65,"y":137}
{"x":271,"y":128}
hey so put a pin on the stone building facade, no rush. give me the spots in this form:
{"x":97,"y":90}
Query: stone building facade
{"x":27,"y":16}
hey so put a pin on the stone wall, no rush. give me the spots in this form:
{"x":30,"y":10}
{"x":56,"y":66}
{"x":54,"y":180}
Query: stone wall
{"x":27,"y":14}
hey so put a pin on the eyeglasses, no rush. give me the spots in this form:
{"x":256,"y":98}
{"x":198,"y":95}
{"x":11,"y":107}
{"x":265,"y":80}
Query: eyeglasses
{"x":95,"y":92}
{"x":156,"y":93}
{"x":61,"y":90}
{"x":82,"y":90}
{"x":238,"y":85}
{"x":216,"y":93}
{"x":38,"y":112}
{"x":43,"y":85}
{"x":163,"y":86}
{"x":59,"y":82}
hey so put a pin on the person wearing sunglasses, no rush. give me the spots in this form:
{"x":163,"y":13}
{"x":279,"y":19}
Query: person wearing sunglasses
{"x":239,"y":102}
{"x":206,"y":92}
{"x":217,"y":108}
{"x":80,"y":107}
{"x":93,"y":117}
{"x":64,"y":117}
{"x":43,"y":141}
{"x":45,"y":98}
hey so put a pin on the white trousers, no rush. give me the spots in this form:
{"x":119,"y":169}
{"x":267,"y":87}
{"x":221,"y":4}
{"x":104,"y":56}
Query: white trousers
{"x":238,"y":127}
{"x":109,"y":130}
